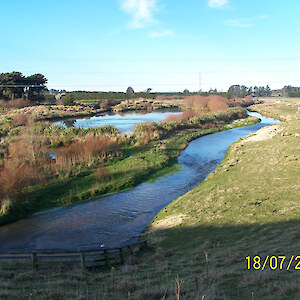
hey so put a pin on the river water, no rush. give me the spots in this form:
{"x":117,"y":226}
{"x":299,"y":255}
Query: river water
{"x":119,"y":219}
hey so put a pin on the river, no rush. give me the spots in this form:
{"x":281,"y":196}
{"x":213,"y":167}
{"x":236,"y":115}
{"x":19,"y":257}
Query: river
{"x":119,"y":219}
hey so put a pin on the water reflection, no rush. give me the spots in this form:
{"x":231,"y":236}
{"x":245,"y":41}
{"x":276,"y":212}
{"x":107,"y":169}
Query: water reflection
{"x":122,"y":121}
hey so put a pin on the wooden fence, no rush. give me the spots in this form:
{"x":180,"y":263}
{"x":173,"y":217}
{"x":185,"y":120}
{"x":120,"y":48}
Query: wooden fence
{"x":86,"y":258}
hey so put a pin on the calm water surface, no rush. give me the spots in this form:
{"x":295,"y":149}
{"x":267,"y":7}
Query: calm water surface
{"x":119,"y":219}
{"x":124,"y":122}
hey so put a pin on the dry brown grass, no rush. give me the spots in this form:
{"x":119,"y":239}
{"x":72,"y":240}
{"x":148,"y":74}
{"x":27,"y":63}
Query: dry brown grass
{"x":186,"y":115}
{"x":21,"y":164}
{"x":21,"y":119}
{"x":216,"y":103}
{"x":91,"y":146}
{"x":14,"y":178}
{"x":211,"y":103}
{"x":16,"y":103}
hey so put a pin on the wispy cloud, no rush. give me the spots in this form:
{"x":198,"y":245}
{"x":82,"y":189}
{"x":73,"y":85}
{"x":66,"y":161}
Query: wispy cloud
{"x":162,"y":33}
{"x":142,"y":11}
{"x":242,"y":23}
{"x":262,"y":17}
{"x":217,"y":3}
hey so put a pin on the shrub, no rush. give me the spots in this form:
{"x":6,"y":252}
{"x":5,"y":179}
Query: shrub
{"x":101,"y":173}
{"x":20,"y":119}
{"x":16,"y":103}
{"x":6,"y":205}
{"x":68,"y":100}
{"x":216,"y":103}
{"x":90,"y":147}
{"x":14,"y":178}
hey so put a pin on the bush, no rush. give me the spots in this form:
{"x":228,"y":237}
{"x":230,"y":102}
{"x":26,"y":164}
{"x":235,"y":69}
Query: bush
{"x":6,"y":205}
{"x":3,"y":132}
{"x":68,"y":100}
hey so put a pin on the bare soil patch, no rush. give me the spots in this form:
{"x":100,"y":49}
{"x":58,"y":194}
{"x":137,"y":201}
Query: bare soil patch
{"x":265,"y":133}
{"x":166,"y":223}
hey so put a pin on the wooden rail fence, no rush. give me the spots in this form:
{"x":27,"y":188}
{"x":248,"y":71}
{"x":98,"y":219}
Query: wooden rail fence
{"x":86,"y":258}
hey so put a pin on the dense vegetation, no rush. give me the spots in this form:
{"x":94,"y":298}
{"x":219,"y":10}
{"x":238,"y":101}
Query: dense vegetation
{"x":291,"y":91}
{"x":15,"y":85}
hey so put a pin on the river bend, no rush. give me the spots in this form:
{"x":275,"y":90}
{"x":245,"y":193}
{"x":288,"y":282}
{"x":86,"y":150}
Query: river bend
{"x":119,"y":219}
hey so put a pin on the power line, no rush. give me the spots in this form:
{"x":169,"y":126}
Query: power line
{"x":157,"y":59}
{"x":18,"y":85}
{"x":147,"y":84}
{"x":168,"y":72}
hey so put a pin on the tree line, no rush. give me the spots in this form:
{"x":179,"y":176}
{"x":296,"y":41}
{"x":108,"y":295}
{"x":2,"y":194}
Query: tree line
{"x":15,"y":85}
{"x":242,"y":91}
{"x":291,"y":91}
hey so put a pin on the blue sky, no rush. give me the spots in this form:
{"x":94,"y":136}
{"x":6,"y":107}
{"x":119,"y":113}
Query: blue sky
{"x":167,"y":45}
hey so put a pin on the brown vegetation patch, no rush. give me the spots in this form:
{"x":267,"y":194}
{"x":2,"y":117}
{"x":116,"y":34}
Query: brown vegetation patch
{"x":211,"y":103}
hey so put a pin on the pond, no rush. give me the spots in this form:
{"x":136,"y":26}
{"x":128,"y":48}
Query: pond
{"x":119,"y":219}
{"x":122,"y":121}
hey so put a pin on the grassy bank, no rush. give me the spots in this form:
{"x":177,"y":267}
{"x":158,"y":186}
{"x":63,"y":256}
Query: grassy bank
{"x":248,"y":206}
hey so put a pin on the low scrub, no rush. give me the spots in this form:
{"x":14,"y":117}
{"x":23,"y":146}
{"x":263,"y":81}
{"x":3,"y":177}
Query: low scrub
{"x":16,"y":103}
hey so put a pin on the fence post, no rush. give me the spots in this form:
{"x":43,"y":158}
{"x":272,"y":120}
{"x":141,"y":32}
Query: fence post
{"x":143,"y":245}
{"x":106,"y":258}
{"x":121,"y":256}
{"x":82,"y":260}
{"x":130,"y":249}
{"x":33,"y":260}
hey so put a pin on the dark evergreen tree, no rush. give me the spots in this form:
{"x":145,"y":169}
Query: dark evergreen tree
{"x":129,"y":90}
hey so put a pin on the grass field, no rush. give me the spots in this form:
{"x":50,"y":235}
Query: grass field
{"x":248,"y":206}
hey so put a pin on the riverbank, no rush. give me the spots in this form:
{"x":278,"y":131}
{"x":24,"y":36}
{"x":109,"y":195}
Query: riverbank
{"x":248,"y":206}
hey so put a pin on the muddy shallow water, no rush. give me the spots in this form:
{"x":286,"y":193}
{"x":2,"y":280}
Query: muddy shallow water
{"x":119,"y":219}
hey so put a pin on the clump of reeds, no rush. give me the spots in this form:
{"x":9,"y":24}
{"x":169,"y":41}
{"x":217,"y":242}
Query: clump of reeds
{"x":146,"y":132}
{"x":211,"y":103}
{"x":14,"y":178}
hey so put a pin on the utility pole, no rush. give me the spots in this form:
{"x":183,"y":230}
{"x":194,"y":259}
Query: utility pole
{"x":200,"y":90}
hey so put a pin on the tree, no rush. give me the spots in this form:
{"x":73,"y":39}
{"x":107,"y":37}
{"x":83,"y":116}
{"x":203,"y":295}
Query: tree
{"x":12,"y":85}
{"x":15,"y":85}
{"x":129,"y":90}
{"x":35,"y":87}
{"x":268,"y":91}
{"x":236,"y":91}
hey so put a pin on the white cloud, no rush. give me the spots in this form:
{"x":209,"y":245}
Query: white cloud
{"x":242,"y":23}
{"x":142,"y":11}
{"x":159,"y":34}
{"x":217,"y":3}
